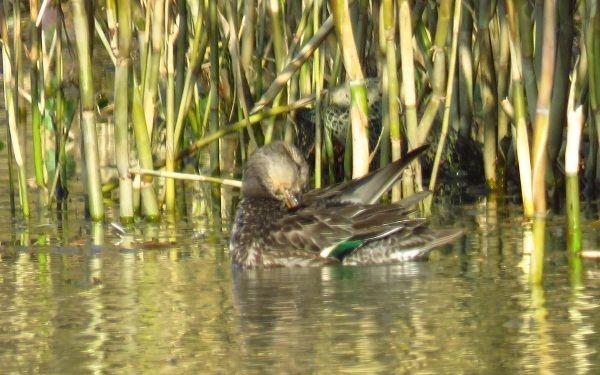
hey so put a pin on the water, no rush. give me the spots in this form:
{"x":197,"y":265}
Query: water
{"x":77,"y":298}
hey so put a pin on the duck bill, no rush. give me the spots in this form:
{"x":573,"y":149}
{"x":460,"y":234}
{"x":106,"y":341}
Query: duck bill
{"x":291,"y":201}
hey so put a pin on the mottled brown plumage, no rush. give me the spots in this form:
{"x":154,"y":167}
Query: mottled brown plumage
{"x":341,"y":223}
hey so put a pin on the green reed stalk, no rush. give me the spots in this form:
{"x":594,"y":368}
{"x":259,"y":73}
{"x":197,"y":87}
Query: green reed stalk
{"x":170,"y":120}
{"x":360,"y":13}
{"x":19,"y":66}
{"x":60,"y":134}
{"x":536,"y":262}
{"x":301,"y":30}
{"x":318,"y":72}
{"x":449,"y":92}
{"x":438,"y":75}
{"x":260,"y":48}
{"x":111,"y":22}
{"x":10,"y":92}
{"x":538,"y":18}
{"x":524,"y":14}
{"x":575,"y":125}
{"x":248,"y":38}
{"x":465,"y":72}
{"x":154,"y":57}
{"x":417,"y":10}
{"x":358,"y":92}
{"x":11,"y":174}
{"x":565,"y":34}
{"x":88,"y":117}
{"x":196,"y":56}
{"x":214,"y":152}
{"x":121,"y":113}
{"x":581,"y":71}
{"x":239,"y":75}
{"x":592,"y":46}
{"x":410,"y":97}
{"x":503,"y":79}
{"x":187,"y":177}
{"x":391,"y":87}
{"x":304,"y":76}
{"x":214,"y":82}
{"x":334,"y":72}
{"x":292,"y":67}
{"x":237,"y":126}
{"x":36,"y":86}
{"x":520,"y":134}
{"x":280,"y":52}
{"x":180,"y":49}
{"x":385,"y":146}
{"x":142,"y":141}
{"x":540,"y":135}
{"x":486,"y":103}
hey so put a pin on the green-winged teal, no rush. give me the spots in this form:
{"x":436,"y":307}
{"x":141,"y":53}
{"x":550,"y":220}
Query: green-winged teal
{"x":278,"y":224}
{"x":463,"y":159}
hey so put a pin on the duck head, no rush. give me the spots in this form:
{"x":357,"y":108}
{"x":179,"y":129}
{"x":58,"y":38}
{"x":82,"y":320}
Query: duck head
{"x":276,"y":170}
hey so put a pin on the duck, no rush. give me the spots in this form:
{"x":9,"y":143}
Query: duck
{"x":280,"y":223}
{"x":463,"y":158}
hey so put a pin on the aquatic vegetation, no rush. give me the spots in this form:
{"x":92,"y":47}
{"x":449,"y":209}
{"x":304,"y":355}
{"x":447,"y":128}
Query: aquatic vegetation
{"x":204,"y":84}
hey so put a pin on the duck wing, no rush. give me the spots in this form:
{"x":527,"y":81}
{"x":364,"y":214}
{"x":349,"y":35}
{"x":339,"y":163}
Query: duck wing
{"x":364,"y":190}
{"x":409,"y":244}
{"x":336,"y":229}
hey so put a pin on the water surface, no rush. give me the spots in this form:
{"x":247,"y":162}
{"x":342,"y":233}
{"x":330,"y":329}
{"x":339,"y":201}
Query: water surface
{"x":77,"y":298}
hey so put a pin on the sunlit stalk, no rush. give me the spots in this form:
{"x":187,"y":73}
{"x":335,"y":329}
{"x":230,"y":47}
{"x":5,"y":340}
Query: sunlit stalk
{"x":592,"y":47}
{"x":186,"y":176}
{"x":59,"y":184}
{"x":518,"y":97}
{"x":247,"y":39}
{"x":122,"y":110}
{"x":575,"y":125}
{"x":438,"y":78}
{"x":303,"y":54}
{"x":503,"y":79}
{"x":88,"y":117}
{"x":280,"y":52}
{"x":486,"y":103}
{"x":565,"y":33}
{"x":391,"y":87}
{"x":410,"y":97}
{"x":358,"y":92}
{"x":170,"y":119}
{"x":239,"y":75}
{"x":213,"y":32}
{"x":523,"y":11}
{"x":153,"y":62}
{"x":142,"y":141}
{"x":540,"y":135}
{"x":449,"y":89}
{"x":10,"y":91}
{"x":465,"y":74}
{"x":36,"y":85}
{"x":318,"y":69}
{"x":196,"y":56}
{"x":237,"y":126}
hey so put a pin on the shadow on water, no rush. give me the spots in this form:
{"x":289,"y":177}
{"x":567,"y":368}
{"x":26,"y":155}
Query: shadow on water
{"x":163,"y":297}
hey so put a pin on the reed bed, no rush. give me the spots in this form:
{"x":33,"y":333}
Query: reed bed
{"x":201,"y":84}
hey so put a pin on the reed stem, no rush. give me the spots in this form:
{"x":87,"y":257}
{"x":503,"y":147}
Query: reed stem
{"x":142,"y":141}
{"x":88,"y":117}
{"x":358,"y":92}
{"x":124,"y":36}
{"x":10,"y":92}
{"x":540,"y":135}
